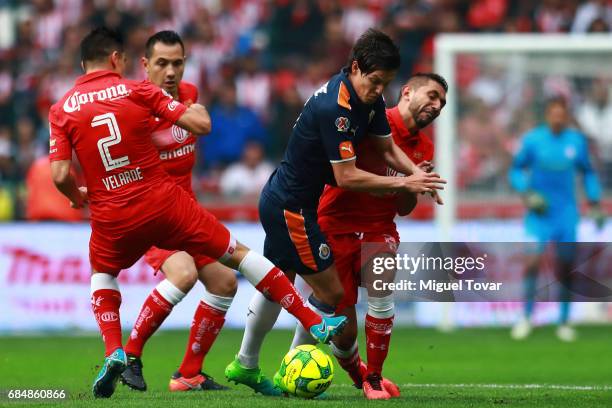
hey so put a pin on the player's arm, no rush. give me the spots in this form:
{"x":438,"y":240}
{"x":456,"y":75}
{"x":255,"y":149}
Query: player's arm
{"x":65,"y":182}
{"x":195,"y":120}
{"x":60,"y":155}
{"x":350,"y":177}
{"x":394,"y":157}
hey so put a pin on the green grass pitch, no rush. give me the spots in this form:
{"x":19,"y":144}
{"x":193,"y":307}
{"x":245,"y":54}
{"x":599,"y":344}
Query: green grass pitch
{"x":466,"y":368}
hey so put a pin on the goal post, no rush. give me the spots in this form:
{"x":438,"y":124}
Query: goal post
{"x":520,"y":54}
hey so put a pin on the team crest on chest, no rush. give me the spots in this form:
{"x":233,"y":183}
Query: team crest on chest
{"x":570,"y":152}
{"x":179,"y":134}
{"x":343,"y":124}
{"x":324,"y":251}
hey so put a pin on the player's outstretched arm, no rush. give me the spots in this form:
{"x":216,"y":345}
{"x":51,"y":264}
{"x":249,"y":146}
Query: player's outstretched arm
{"x":349,"y":177}
{"x":196,"y":120}
{"x":66,"y":184}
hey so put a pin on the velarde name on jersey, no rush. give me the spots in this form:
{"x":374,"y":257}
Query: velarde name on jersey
{"x":123,"y":178}
{"x":74,"y":102}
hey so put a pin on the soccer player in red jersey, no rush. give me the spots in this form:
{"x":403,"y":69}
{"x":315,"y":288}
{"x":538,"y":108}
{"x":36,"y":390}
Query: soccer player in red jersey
{"x":350,"y":219}
{"x":134,"y":203}
{"x":164,"y":63}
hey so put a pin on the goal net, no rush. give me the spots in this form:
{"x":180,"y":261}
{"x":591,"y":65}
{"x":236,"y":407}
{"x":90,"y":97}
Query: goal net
{"x":498,"y":84}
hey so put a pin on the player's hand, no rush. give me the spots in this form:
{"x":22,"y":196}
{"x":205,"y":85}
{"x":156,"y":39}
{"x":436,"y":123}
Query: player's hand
{"x":83,"y":199}
{"x":535,"y":202}
{"x":424,"y":182}
{"x":426,"y":166}
{"x":598,"y":216}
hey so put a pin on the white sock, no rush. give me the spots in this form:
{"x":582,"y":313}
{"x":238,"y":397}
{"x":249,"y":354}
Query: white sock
{"x":101,"y":280}
{"x":221,"y":303}
{"x":255,"y":267}
{"x":261,"y":316}
{"x":303,"y":336}
{"x":169,"y":292}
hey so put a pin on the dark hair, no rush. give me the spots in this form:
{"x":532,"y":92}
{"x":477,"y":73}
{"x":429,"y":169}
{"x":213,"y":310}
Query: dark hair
{"x":166,"y":37}
{"x":421,"y":78}
{"x":99,"y":44}
{"x":374,"y":50}
{"x":556,"y":100}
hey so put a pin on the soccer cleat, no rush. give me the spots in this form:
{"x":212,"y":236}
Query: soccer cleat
{"x":201,"y":382}
{"x":390,"y":387}
{"x":373,"y":389}
{"x":132,"y":375}
{"x":328,"y":328}
{"x":106,"y":381}
{"x":521,"y":329}
{"x":566,"y":333}
{"x":252,"y":378}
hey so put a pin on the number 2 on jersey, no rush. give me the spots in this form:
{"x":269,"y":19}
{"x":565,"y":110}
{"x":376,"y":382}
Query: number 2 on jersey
{"x":114,"y":138}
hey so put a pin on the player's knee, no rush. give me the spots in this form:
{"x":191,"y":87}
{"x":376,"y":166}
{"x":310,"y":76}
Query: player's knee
{"x":228,"y":286}
{"x":183,"y":274}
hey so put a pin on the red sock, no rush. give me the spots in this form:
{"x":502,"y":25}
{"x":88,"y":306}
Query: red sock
{"x":153,"y":313}
{"x":378,"y":336}
{"x":353,"y":366}
{"x":206,"y":325}
{"x":278,"y":288}
{"x":105,"y":304}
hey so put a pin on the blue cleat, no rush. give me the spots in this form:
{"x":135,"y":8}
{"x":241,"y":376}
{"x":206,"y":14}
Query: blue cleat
{"x":328,"y":328}
{"x":106,"y":381}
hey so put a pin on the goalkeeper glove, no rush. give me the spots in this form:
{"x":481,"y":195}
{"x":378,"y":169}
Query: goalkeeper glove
{"x":536,"y":202}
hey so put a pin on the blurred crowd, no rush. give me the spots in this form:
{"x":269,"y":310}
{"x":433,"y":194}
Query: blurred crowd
{"x":255,"y":63}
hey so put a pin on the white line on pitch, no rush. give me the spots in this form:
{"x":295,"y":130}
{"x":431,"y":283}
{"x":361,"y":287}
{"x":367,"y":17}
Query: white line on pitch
{"x":510,"y":386}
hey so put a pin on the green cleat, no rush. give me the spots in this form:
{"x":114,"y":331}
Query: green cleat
{"x":106,"y":381}
{"x":252,"y":378}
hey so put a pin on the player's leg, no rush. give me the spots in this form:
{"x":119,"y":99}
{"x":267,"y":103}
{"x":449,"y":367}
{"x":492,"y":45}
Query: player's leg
{"x":109,"y":253}
{"x":180,"y":275}
{"x":105,"y":301}
{"x":346,"y":350}
{"x":380,"y":314}
{"x":565,"y":249}
{"x":287,"y":244}
{"x":538,"y":236}
{"x":260,"y":319}
{"x":345,"y":248}
{"x":221,"y":285}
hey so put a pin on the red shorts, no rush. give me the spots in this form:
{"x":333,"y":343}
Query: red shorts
{"x":349,"y":259}
{"x":156,"y":257}
{"x":178,"y":224}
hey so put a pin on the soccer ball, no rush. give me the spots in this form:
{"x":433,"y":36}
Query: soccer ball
{"x":306,"y":371}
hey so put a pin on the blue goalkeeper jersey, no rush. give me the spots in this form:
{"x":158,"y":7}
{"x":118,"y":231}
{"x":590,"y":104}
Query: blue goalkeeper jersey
{"x":547,"y":163}
{"x":331,"y":125}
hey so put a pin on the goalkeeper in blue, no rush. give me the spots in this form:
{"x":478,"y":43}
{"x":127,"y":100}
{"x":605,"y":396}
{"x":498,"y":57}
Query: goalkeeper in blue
{"x":544,"y":173}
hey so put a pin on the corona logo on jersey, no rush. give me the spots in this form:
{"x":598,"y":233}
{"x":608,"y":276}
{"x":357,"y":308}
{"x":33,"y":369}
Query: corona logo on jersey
{"x":74,"y":102}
